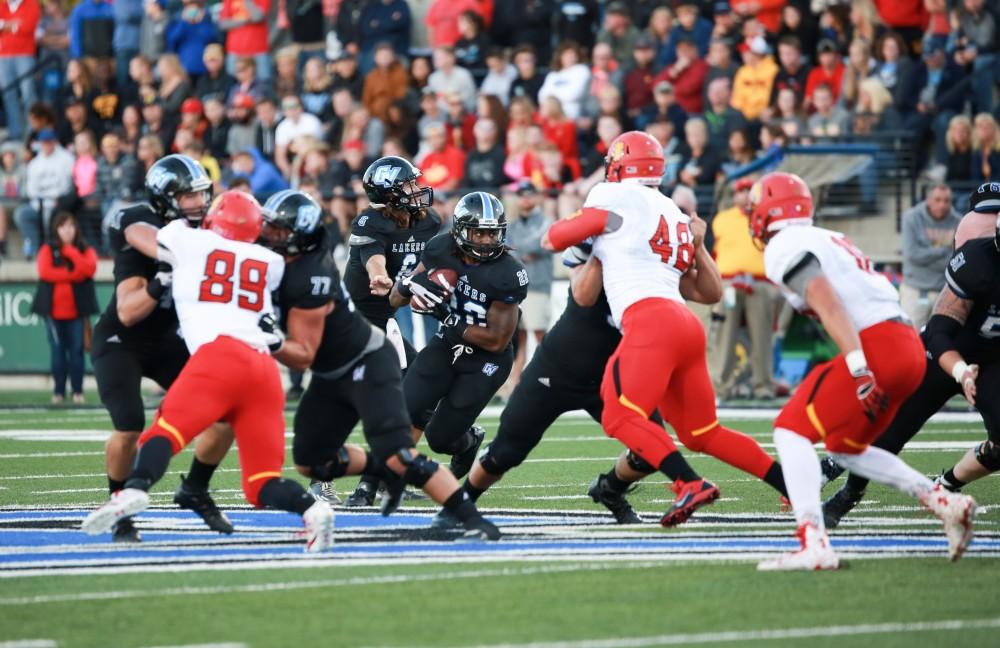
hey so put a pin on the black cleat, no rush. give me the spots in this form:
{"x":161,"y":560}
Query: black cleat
{"x":947,"y":485}
{"x":293,"y":394}
{"x":614,"y":501}
{"x":445,"y":520}
{"x":830,"y":469}
{"x":363,"y":495}
{"x":840,"y":504}
{"x":201,"y":502}
{"x":124,"y":531}
{"x":461,"y":463}
{"x":479,"y":530}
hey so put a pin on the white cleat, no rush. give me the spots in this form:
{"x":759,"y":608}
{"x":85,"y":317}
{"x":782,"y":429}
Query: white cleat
{"x":125,"y":503}
{"x":815,"y":554}
{"x":957,"y":511}
{"x":319,"y":527}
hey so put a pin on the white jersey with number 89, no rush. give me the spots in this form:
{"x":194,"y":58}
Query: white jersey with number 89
{"x":220,"y":286}
{"x":647,"y":256}
{"x":867,"y":295}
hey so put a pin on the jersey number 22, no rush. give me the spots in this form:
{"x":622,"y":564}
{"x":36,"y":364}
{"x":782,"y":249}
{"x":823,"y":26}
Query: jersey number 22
{"x":217,"y":286}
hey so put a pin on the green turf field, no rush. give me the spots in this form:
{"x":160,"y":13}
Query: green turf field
{"x":53,"y":459}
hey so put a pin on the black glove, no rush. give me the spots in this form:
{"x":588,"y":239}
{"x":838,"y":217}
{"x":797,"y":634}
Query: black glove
{"x":160,"y":282}
{"x":275,"y":336}
{"x":450,"y":319}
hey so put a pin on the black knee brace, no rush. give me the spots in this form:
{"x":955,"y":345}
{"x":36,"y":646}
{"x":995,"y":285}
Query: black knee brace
{"x":490,"y":464}
{"x":419,"y":467}
{"x":336,"y":467}
{"x":988,"y":454}
{"x":638,"y":464}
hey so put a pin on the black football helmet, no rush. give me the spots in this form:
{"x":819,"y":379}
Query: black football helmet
{"x":986,"y":200}
{"x":392,"y":182}
{"x":479,"y":211}
{"x":298,"y":214}
{"x":171,"y":176}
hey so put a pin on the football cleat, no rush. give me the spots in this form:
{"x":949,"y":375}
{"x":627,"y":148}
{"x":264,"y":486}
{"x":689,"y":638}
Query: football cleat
{"x":691,"y":496}
{"x":815,"y":553}
{"x":830,"y":470}
{"x":123,"y":503}
{"x":461,"y":463}
{"x":318,"y":520}
{"x":957,"y":511}
{"x":479,"y":530}
{"x":840,"y":504}
{"x":602,"y":493}
{"x":445,"y":520}
{"x":201,"y":502}
{"x":324,"y":492}
{"x":392,"y":496}
{"x":947,"y":485}
{"x":363,"y":495}
{"x":124,"y":531}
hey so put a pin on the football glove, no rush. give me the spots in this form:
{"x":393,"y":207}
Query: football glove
{"x":161,"y":281}
{"x":419,"y":286}
{"x":578,"y":254}
{"x":273,"y":334}
{"x":873,"y":400}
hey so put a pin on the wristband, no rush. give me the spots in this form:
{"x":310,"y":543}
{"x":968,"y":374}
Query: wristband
{"x":958,"y":371}
{"x":857,"y":364}
{"x":403,"y":289}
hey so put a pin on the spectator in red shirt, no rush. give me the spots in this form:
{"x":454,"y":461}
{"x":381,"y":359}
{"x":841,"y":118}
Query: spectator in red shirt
{"x":639,"y":80}
{"x":561,"y":131}
{"x":442,"y":19}
{"x":830,"y":70}
{"x":908,"y":17}
{"x":459,"y":123}
{"x":443,"y":165}
{"x":245,"y":24}
{"x":768,"y":12}
{"x":18,"y":21}
{"x":65,"y":297}
{"x":687,"y":75}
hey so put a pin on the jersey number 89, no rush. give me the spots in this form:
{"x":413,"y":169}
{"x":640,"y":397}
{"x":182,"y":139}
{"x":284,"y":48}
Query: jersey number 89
{"x":217,"y":286}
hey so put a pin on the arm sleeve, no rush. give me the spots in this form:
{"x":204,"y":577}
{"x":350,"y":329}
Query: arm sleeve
{"x":801,"y":273}
{"x":962,"y":274}
{"x":366,"y":252}
{"x":589,"y":222}
{"x":308,"y":287}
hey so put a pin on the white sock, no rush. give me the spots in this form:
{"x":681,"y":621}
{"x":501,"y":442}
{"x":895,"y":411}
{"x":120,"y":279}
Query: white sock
{"x":800,"y":465}
{"x":886,"y":468}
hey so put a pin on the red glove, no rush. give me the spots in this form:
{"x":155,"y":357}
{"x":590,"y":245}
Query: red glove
{"x":873,"y":400}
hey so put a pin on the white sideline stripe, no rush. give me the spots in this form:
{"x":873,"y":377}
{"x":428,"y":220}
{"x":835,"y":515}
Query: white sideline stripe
{"x":299,"y":585}
{"x":763,"y":635}
{"x":209,"y":645}
{"x":29,"y":643}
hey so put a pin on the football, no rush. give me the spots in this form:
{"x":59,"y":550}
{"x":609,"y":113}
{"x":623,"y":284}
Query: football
{"x":444,"y":277}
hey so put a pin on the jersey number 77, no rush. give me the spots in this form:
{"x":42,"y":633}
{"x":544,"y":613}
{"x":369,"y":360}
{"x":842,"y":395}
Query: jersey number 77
{"x":678,"y":251}
{"x":217,"y":286}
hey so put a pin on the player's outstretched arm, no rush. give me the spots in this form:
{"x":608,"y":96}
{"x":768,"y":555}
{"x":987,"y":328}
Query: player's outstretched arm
{"x":588,"y":222}
{"x":949,"y":315}
{"x":587,"y":281}
{"x":142,"y":236}
{"x":501,"y":324}
{"x":305,"y":333}
{"x":378,"y":278}
{"x":398,"y":298}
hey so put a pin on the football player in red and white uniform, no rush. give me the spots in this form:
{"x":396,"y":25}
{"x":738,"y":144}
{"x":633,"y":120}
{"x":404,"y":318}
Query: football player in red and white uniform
{"x":849,"y":401}
{"x":653,"y":258}
{"x":222,"y":291}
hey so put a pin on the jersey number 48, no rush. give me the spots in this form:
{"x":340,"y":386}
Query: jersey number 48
{"x":217,"y":286}
{"x":678,"y":251}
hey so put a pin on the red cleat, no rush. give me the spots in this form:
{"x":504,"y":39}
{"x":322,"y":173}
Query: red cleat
{"x":691,"y":496}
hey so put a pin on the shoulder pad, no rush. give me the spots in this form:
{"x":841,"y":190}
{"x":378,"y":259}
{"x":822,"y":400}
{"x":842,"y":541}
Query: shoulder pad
{"x":372,"y":220}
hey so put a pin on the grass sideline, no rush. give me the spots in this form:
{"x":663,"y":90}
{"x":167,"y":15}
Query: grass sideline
{"x":924,"y":601}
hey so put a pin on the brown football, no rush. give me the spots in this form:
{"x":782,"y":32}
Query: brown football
{"x":444,"y":277}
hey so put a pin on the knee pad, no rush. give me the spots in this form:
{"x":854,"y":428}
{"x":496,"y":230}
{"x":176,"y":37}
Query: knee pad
{"x":490,"y":463}
{"x":638,"y":464}
{"x":988,"y":454}
{"x":336,"y":467}
{"x":419,"y":467}
{"x":502,"y":456}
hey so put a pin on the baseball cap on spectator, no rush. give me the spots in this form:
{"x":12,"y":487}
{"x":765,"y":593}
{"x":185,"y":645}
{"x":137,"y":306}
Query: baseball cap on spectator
{"x":618,"y":8}
{"x":664,"y":87}
{"x":645,"y":41}
{"x":243,"y":100}
{"x":46,"y":135}
{"x":494,"y":52}
{"x":72,"y":100}
{"x":191,"y":106}
{"x":721,"y":8}
{"x":384,"y":45}
{"x":933,"y":46}
{"x":354,"y":145}
{"x":742,"y":184}
{"x":758,"y":45}
{"x":526,"y":187}
{"x":687,"y":39}
{"x":826,"y":45}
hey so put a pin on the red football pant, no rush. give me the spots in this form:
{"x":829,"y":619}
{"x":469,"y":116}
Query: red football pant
{"x":660,"y":364}
{"x":825,"y":406}
{"x":227,"y":380}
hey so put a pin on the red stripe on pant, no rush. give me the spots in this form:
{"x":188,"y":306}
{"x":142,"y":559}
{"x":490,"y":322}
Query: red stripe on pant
{"x":228,"y":380}
{"x":660,"y":364}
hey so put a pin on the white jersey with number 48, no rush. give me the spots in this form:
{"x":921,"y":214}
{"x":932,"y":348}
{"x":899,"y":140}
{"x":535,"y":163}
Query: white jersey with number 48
{"x":220,"y":286}
{"x":867,"y":295}
{"x":647,"y":256}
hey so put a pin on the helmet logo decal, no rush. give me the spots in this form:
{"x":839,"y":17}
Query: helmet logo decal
{"x":307,"y":218}
{"x":158,"y":178}
{"x":617,"y":151}
{"x":386,"y":175}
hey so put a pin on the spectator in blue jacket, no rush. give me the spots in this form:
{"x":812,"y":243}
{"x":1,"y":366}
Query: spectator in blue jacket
{"x":383,"y":21}
{"x":189,"y":35}
{"x":91,"y":29}
{"x":689,"y":24}
{"x":264,"y":177}
{"x":128,"y":26}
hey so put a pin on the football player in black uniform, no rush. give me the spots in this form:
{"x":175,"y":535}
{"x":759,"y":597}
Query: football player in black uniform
{"x":137,"y":335}
{"x":355,"y":372}
{"x":385,"y":244}
{"x":963,"y":357}
{"x":454,"y":377}
{"x":565,"y":375}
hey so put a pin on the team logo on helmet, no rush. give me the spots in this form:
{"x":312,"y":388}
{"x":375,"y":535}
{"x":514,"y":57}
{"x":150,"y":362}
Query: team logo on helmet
{"x":617,"y":150}
{"x":386,"y":175}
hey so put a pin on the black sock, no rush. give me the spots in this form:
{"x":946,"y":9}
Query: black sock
{"x":285,"y":495}
{"x":200,"y":474}
{"x":856,"y":483}
{"x":150,"y":464}
{"x":115,"y":485}
{"x":952,"y":479}
{"x":676,"y":467}
{"x":371,"y":478}
{"x":616,"y":483}
{"x":776,"y":479}
{"x":473,"y":492}
{"x":461,"y":506}
{"x":373,"y":468}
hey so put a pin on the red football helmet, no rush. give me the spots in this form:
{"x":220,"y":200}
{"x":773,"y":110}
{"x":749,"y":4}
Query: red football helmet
{"x":636,"y":156}
{"x":235,"y":215}
{"x":776,"y":200}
